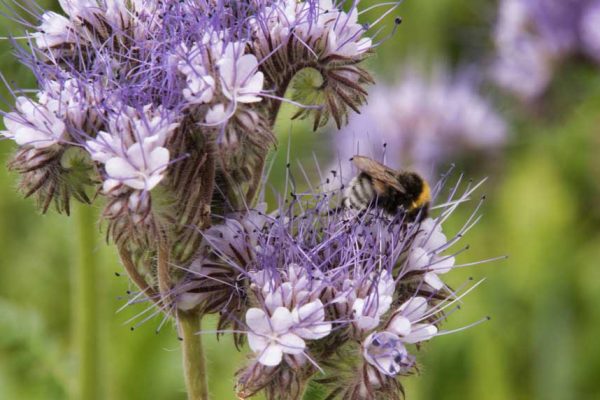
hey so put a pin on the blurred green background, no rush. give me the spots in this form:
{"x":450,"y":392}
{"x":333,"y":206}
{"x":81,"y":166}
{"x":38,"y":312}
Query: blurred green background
{"x":543,"y":339}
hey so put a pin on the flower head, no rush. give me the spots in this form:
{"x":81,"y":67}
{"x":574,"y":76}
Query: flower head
{"x":35,"y":124}
{"x":313,"y":283}
{"x":133,"y":149}
{"x":590,"y":30}
{"x":533,"y":37}
{"x":422,"y":122}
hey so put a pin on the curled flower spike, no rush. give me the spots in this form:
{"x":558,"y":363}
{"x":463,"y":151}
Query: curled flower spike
{"x":315,"y":35}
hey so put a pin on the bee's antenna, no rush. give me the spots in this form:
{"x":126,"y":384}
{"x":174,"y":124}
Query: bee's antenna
{"x":384,"y":152}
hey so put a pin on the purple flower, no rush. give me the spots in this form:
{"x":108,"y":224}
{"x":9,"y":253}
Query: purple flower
{"x":133,"y":149}
{"x":590,"y":30}
{"x":241,"y":80}
{"x":406,"y":321}
{"x":386,"y":352}
{"x":285,"y":331}
{"x":533,"y":37}
{"x":425,"y":257}
{"x":422,"y":122}
{"x":370,"y":300}
{"x":200,"y":84}
{"x":35,"y":123}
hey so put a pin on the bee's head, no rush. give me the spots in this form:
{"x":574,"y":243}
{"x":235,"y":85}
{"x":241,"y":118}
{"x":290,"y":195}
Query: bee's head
{"x":417,"y":189}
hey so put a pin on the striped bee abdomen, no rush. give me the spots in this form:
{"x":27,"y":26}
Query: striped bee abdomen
{"x":360,"y":193}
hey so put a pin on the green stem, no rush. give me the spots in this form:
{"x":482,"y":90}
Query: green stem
{"x":86,"y":306}
{"x":194,"y":367}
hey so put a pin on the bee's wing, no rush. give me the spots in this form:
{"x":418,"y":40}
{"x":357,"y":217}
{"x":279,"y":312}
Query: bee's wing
{"x":383,"y":177}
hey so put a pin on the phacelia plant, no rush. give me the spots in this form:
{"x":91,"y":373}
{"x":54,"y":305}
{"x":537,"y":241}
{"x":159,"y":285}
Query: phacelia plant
{"x":162,"y":112}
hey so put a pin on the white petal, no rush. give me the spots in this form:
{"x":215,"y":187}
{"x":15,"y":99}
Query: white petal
{"x":399,"y":325}
{"x":248,"y":94}
{"x":418,"y":259}
{"x":159,"y":158}
{"x":414,"y":308}
{"x":442,"y":264}
{"x":433,"y":280}
{"x":312,"y":311}
{"x":420,"y":333}
{"x":151,"y":182}
{"x":274,"y":300}
{"x":271,"y":356}
{"x":291,"y":343}
{"x":383,"y":304}
{"x":109,"y":185}
{"x":216,"y":115}
{"x":246,"y":65}
{"x":120,"y":169}
{"x":33,"y":136}
{"x":282,"y":320}
{"x":287,"y":293}
{"x":436,"y":240}
{"x":227,"y":71}
{"x":358,"y":306}
{"x":258,"y":321}
{"x":317,"y":331}
{"x":366,"y":323}
{"x":258,"y":343}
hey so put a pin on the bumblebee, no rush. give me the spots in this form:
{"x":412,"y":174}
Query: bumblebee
{"x":390,"y":190}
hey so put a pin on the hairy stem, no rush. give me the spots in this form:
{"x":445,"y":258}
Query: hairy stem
{"x":194,"y":367}
{"x":255,"y":184}
{"x":86,"y":306}
{"x":135,"y":276}
{"x":163,"y":271}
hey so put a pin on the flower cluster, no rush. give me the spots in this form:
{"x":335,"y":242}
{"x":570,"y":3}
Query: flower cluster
{"x":423,"y":122}
{"x":317,"y":288}
{"x":534,"y":36}
{"x":320,"y":36}
{"x":166,"y":109}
